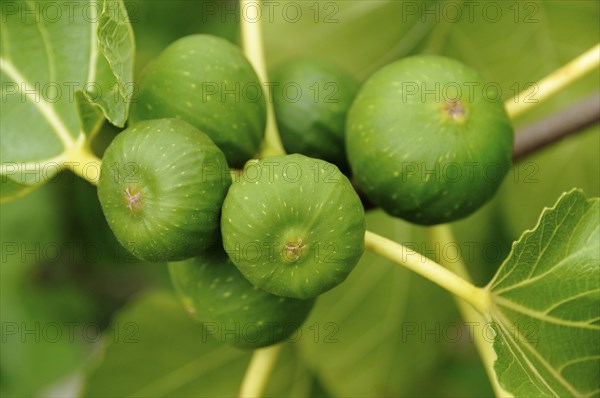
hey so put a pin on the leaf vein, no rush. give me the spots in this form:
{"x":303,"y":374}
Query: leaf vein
{"x":36,"y":99}
{"x":525,"y":282}
{"x":47,"y":43}
{"x":93,"y":45}
{"x":541,"y":316}
{"x":571,"y":298}
{"x":512,"y":346}
{"x":502,"y":323}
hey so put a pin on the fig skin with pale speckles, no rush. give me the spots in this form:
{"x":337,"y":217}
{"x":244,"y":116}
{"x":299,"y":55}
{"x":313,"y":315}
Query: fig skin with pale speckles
{"x":215,"y":292}
{"x":428,"y":139}
{"x":208,"y":82}
{"x":313,"y":123}
{"x":162,"y":184}
{"x":293,"y":225}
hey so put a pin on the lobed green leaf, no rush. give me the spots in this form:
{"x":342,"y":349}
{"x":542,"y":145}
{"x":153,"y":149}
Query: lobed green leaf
{"x":546,"y":304}
{"x":76,"y":71}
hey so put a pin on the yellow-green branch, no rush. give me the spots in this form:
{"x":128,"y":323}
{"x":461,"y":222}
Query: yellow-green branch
{"x":429,"y":269}
{"x":552,"y":83}
{"x":252,"y":44}
{"x":258,"y":371}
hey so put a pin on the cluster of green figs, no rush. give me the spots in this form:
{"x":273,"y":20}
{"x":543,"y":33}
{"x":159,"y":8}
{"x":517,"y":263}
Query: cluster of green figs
{"x":252,"y":242}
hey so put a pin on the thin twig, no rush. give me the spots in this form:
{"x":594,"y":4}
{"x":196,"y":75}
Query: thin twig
{"x":571,"y":120}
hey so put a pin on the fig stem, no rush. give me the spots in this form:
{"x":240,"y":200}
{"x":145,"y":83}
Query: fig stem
{"x":252,"y":44}
{"x":479,"y":298}
{"x":258,"y":371}
{"x":263,"y":360}
{"x":443,"y":235}
{"x":554,"y":82}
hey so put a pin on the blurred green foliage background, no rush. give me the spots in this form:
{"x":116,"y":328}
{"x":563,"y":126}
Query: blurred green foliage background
{"x":121,"y":330}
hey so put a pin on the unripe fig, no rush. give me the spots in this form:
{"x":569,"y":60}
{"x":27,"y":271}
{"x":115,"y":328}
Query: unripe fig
{"x":293,"y":225}
{"x":311,"y":100}
{"x":428,"y":139}
{"x":206,"y":81}
{"x":213,"y":290}
{"x":161,"y":188}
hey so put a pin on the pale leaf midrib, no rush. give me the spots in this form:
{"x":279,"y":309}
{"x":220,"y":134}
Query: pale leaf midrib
{"x":47,"y":43}
{"x":45,"y":109}
{"x":39,"y":166}
{"x":501,"y":301}
{"x":515,"y":357}
{"x":503,"y":322}
{"x":93,"y":45}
